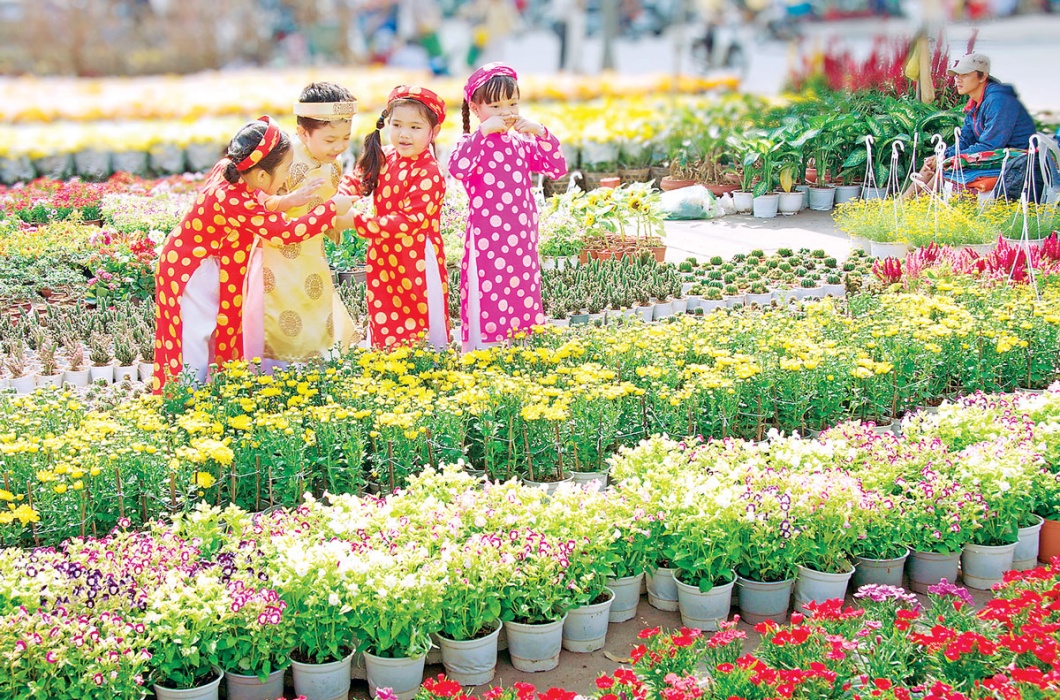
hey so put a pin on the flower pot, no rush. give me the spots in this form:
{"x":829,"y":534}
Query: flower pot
{"x":1018,"y":242}
{"x":670,"y":183}
{"x":984,"y":565}
{"x":330,"y":681}
{"x":1026,"y":555}
{"x":881,"y":572}
{"x":596,"y":481}
{"x":202,"y":692}
{"x":134,"y":162}
{"x":809,"y":292}
{"x":585,"y":628}
{"x":17,"y":169}
{"x":980,"y":249}
{"x":889,"y":250}
{"x":402,"y":675}
{"x":561,"y":322}
{"x":928,"y":568}
{"x":549,"y":486}
{"x":593,"y":318}
{"x":611,"y":182}
{"x":765,"y":206}
{"x":58,"y":166}
{"x":845,"y":193}
{"x":861,"y":243}
{"x":790,"y":202}
{"x":123,"y":372}
{"x":805,"y":190}
{"x":762,"y":299}
{"x":104,"y":373}
{"x":663,"y":309}
{"x":471,"y":662}
{"x":735,"y":300}
{"x":202,"y":156}
{"x":22,"y":385}
{"x":147,"y":372}
{"x":764,"y":600}
{"x":44,"y":380}
{"x":679,"y":306}
{"x":634,"y":174}
{"x":873,"y":192}
{"x":662,"y":589}
{"x":93,"y":164}
{"x":579,"y":319}
{"x":535,"y":647}
{"x":1048,"y":539}
{"x":822,"y":198}
{"x":704,"y":611}
{"x":719,"y":190}
{"x":834,"y":290}
{"x":627,"y":597}
{"x":743,"y":201}
{"x":166,"y":159}
{"x":647,"y":313}
{"x":76,"y":378}
{"x":709,"y":305}
{"x":242,"y":687}
{"x":818,"y":586}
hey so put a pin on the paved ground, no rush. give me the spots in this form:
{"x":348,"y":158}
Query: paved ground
{"x":742,"y":233}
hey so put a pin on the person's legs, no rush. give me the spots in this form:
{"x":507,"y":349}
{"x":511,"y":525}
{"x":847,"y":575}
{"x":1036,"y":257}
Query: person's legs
{"x":198,"y":311}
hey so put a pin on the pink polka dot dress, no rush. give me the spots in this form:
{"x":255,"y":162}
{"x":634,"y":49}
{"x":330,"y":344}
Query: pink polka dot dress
{"x":500,"y":276}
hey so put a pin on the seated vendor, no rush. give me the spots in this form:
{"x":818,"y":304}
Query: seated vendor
{"x":994,"y":120}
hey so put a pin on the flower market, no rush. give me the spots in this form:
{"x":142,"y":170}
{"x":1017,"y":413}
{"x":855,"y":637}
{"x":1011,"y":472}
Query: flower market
{"x":735,"y":375}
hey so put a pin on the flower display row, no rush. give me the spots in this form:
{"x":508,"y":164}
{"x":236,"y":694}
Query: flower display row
{"x":248,"y":93}
{"x":453,"y":555}
{"x":887,"y":645}
{"x":552,"y":403}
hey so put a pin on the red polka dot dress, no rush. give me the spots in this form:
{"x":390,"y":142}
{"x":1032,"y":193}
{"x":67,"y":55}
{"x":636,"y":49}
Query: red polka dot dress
{"x":216,"y":235}
{"x":500,"y":276}
{"x":406,"y":278}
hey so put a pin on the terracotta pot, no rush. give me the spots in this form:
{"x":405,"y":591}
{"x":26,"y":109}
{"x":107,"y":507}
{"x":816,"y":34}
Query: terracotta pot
{"x":1049,"y":541}
{"x":719,"y":190}
{"x":668,"y":183}
{"x":610,"y":182}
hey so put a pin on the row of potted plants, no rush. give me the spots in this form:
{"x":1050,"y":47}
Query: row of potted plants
{"x":893,"y":226}
{"x":552,"y":402}
{"x":453,"y":556}
{"x":888,"y":645}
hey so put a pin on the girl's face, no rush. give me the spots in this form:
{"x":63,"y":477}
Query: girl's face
{"x":270,"y":183}
{"x":507,"y":108}
{"x":410,"y":132}
{"x":328,"y":142}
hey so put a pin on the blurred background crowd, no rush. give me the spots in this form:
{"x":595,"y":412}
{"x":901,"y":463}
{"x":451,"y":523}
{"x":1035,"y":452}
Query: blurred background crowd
{"x":135,"y":37}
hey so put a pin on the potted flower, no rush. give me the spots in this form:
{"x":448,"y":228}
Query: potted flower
{"x":704,"y":552}
{"x":396,"y":605}
{"x":536,"y":599}
{"x":939,"y":514}
{"x":471,"y":600}
{"x":254,"y":649}
{"x":185,"y":619}
{"x":881,"y":548}
{"x":1004,"y":472}
{"x":314,"y":581}
{"x":766,"y":534}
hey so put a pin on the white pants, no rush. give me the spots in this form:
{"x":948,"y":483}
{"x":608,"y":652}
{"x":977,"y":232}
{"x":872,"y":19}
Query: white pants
{"x":474,"y":318}
{"x":199,"y":306}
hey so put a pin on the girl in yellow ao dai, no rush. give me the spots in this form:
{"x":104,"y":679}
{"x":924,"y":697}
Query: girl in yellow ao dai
{"x":303,"y":317}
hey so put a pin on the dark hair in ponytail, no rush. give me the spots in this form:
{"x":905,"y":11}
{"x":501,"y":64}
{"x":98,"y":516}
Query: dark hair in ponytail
{"x":465,"y":113}
{"x":244,"y":144}
{"x":372,"y":157}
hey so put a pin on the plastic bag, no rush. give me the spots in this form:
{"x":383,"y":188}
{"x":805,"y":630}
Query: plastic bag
{"x":695,"y":202}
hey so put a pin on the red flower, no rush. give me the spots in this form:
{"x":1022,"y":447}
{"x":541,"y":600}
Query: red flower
{"x":648,"y":633}
{"x":525,"y":691}
{"x":882,"y":683}
{"x":557,"y":694}
{"x":684,"y":641}
{"x":638,"y":653}
{"x":624,"y":676}
{"x":726,"y":668}
{"x":604,"y":682}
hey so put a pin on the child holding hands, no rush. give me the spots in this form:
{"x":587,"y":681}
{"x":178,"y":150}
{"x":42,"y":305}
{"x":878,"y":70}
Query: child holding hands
{"x":406,"y":278}
{"x":500,"y":276}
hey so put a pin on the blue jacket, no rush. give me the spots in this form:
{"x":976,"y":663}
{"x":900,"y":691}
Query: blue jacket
{"x":999,"y":121}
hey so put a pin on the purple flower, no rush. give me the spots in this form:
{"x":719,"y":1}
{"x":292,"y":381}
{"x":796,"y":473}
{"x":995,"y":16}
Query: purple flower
{"x":945,"y":589}
{"x":878,"y":593}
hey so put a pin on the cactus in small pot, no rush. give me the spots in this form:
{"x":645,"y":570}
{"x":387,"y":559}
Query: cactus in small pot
{"x":47,"y":352}
{"x":99,"y":349}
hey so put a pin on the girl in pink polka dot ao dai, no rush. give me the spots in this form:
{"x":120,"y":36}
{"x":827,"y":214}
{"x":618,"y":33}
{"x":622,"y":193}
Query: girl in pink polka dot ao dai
{"x":500,"y":276}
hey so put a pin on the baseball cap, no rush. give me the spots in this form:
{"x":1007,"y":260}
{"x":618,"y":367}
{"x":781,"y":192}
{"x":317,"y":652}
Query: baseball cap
{"x":970,"y":62}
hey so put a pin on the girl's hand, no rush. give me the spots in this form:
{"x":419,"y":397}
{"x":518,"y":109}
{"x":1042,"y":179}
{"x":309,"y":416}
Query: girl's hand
{"x":493,"y":125}
{"x":342,"y":204}
{"x":344,"y":221}
{"x":301,"y":196}
{"x":525,"y":126}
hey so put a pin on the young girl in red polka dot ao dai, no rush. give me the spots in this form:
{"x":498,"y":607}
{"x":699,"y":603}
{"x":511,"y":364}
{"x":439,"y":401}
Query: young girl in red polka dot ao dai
{"x":500,"y":276}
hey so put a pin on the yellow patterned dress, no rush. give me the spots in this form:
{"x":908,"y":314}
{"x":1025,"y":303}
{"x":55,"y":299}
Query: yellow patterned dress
{"x":303,"y":316}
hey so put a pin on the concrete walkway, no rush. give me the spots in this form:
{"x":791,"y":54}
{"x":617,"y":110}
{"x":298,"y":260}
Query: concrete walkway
{"x":742,"y":233}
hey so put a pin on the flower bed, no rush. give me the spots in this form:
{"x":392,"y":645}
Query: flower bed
{"x":550,"y":404}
